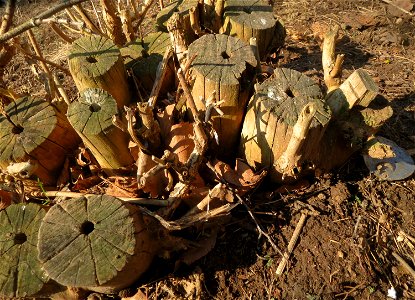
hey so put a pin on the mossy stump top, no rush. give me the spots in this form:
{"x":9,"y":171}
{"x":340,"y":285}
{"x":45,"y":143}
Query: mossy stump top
{"x":91,"y":116}
{"x":272,"y":113}
{"x":252,"y":18}
{"x":21,"y":273}
{"x":36,"y":131}
{"x":95,"y":62}
{"x":224,"y":65}
{"x":97,"y":242}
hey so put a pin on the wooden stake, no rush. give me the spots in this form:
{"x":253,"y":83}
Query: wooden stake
{"x":332,"y":65}
{"x":291,"y":244}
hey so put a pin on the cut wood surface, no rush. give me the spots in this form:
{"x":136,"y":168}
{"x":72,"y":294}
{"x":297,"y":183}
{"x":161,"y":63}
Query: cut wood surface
{"x":21,"y":274}
{"x":91,"y":116}
{"x":358,"y":89}
{"x":95,"y":62}
{"x":223,"y":67}
{"x":272,"y":113}
{"x":144,"y":57}
{"x":252,"y":18}
{"x":96,"y":242}
{"x":37,"y":132}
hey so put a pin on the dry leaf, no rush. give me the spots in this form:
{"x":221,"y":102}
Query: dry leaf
{"x":123,"y":187}
{"x":243,"y":179}
{"x":5,"y":199}
{"x":155,"y":184}
{"x":204,"y":247}
{"x":394,"y":10}
{"x":179,"y":140}
{"x":83,"y":184}
{"x":138,"y":296}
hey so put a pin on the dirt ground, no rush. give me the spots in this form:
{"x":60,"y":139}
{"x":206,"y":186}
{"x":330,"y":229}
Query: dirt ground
{"x":359,"y":225}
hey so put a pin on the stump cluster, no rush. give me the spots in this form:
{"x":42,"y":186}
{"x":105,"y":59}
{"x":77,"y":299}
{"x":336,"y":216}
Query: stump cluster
{"x":168,"y":113}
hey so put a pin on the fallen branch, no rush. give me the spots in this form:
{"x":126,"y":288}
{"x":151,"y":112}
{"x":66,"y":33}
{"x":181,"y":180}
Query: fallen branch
{"x":142,"y":201}
{"x":291,"y":244}
{"x":37,"y":20}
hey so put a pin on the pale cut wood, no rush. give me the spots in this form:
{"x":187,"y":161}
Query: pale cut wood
{"x":21,"y":273}
{"x":223,"y":65}
{"x":183,"y":8}
{"x":272,"y":113}
{"x":95,"y":62}
{"x":358,"y":89}
{"x":98,"y":243}
{"x":38,"y":132}
{"x":247,"y":19}
{"x":91,"y":117}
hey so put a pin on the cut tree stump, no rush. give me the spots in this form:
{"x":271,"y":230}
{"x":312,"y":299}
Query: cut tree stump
{"x":91,"y":117}
{"x":252,"y":18}
{"x":273,"y":112}
{"x":21,"y":273}
{"x":38,"y":133}
{"x":358,"y":89}
{"x":95,"y":62}
{"x":144,"y":57}
{"x":98,"y":243}
{"x":224,"y":67}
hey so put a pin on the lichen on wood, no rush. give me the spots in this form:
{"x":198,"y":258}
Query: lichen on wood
{"x":224,"y":65}
{"x":95,"y":62}
{"x":252,"y":18}
{"x":96,"y":242}
{"x":91,"y":116}
{"x":36,"y":131}
{"x":272,"y":114}
{"x":21,"y":273}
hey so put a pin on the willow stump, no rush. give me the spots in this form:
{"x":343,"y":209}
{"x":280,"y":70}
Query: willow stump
{"x":182,"y":7}
{"x":273,"y":112}
{"x":35,"y":131}
{"x":21,"y":273}
{"x":91,"y":116}
{"x":247,"y":19}
{"x":223,"y":69}
{"x":98,"y":243}
{"x":144,"y":57}
{"x":95,"y":62}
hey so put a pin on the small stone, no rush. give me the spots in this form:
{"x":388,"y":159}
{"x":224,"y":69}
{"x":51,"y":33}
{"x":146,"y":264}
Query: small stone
{"x":340,"y":254}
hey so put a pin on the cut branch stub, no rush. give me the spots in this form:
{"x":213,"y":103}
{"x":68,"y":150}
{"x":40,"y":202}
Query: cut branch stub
{"x":272,"y":115}
{"x":96,"y":242}
{"x":36,"y":131}
{"x":252,"y":18}
{"x":223,"y":66}
{"x":95,"y":62}
{"x":144,"y":58}
{"x":21,"y":273}
{"x":91,"y":117}
{"x":349,"y":133}
{"x":182,"y":7}
{"x":358,"y":89}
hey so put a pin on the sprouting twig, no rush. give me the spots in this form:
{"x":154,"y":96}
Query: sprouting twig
{"x":87,"y":19}
{"x":97,"y":16}
{"x":60,"y":33}
{"x":143,"y":201}
{"x":6,"y":20}
{"x":130,"y":128}
{"x":37,"y":20}
{"x":190,"y":101}
{"x":291,"y":244}
{"x":31,"y":55}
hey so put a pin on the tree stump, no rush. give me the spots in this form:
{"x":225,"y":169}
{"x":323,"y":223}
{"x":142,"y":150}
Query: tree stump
{"x":21,"y":273}
{"x":95,"y":62}
{"x":144,"y":58}
{"x":37,"y":132}
{"x":91,"y":117}
{"x":252,"y":18}
{"x":224,"y":66}
{"x":98,"y":243}
{"x":272,"y":114}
